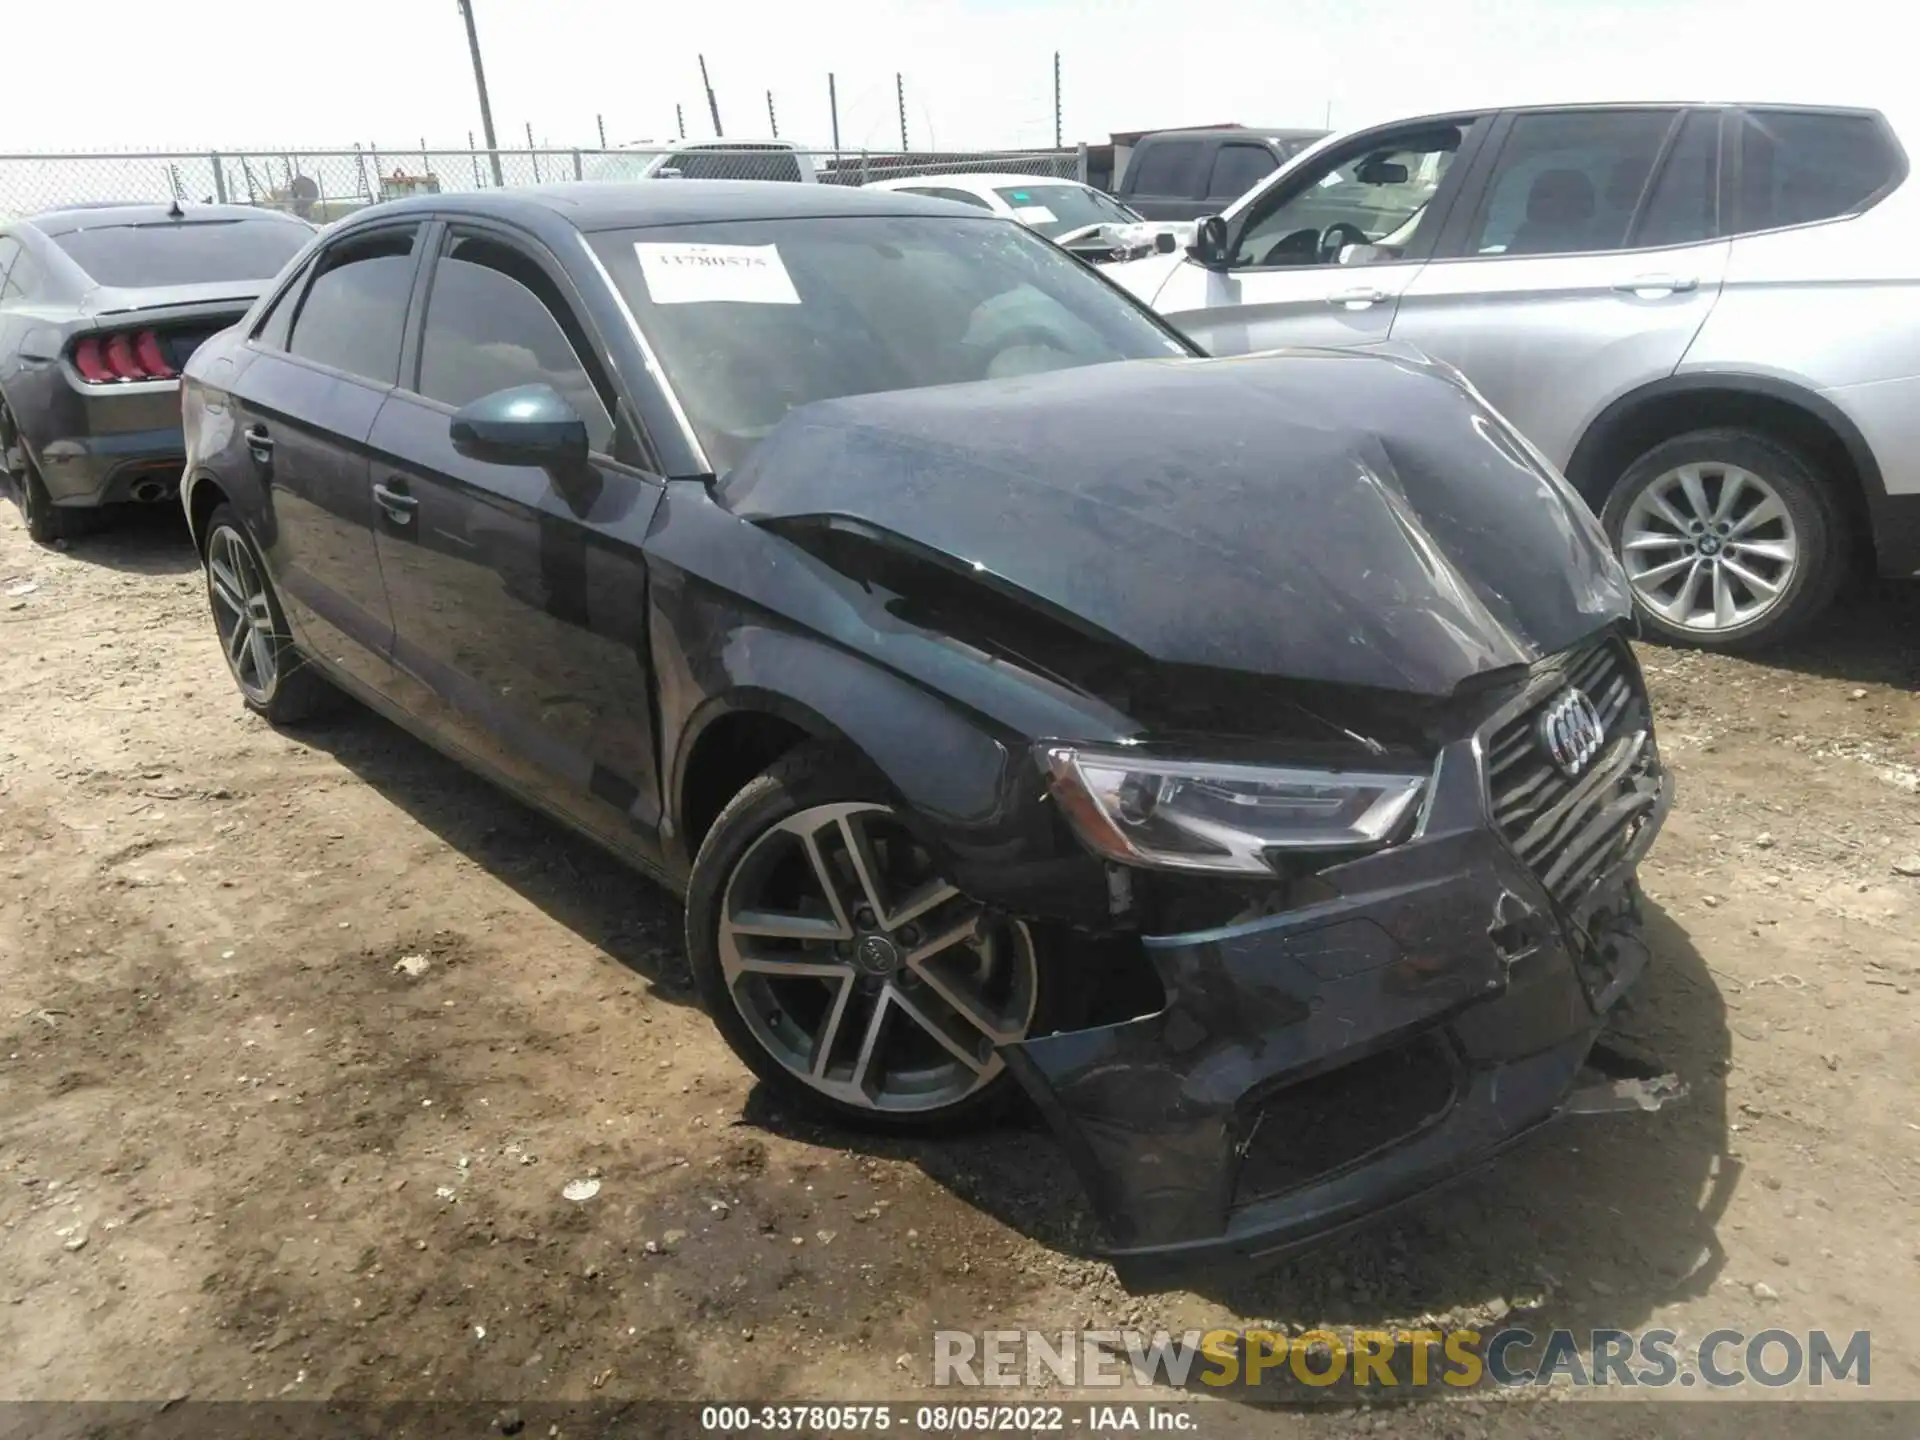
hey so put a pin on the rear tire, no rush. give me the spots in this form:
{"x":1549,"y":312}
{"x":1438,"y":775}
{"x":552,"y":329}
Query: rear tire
{"x":1732,"y":541}
{"x":273,"y":677}
{"x":47,"y":523}
{"x":836,"y":1021}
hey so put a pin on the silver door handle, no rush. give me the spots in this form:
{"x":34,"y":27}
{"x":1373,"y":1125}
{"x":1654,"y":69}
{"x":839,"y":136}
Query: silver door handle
{"x":1667,"y":284}
{"x":1356,"y":299}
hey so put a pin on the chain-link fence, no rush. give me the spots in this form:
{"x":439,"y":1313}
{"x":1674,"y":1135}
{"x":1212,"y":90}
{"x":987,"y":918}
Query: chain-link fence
{"x":327,"y":184}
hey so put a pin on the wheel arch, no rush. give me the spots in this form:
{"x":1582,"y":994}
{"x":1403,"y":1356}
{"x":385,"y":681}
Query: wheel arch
{"x":1779,"y":409}
{"x":203,"y":495}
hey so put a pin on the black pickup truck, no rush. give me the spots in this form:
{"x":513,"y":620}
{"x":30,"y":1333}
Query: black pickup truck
{"x":1184,"y":174}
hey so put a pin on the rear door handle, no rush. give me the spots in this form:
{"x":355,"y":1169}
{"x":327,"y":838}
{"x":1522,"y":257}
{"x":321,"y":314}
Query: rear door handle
{"x":398,"y":505}
{"x":1658,"y":285}
{"x":1356,"y":299}
{"x":260,"y":443}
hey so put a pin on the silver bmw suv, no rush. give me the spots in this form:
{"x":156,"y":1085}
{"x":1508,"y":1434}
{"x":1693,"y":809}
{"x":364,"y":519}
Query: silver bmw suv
{"x":1707,"y":315}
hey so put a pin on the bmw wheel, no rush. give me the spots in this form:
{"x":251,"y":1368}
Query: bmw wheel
{"x":842,"y":967}
{"x":1728,"y":539}
{"x":273,"y":677}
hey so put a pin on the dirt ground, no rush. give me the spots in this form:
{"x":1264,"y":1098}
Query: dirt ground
{"x":304,"y":1034}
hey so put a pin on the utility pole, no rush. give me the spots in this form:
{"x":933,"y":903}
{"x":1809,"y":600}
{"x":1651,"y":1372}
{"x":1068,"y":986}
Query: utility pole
{"x":833,"y":108}
{"x":713,"y":105}
{"x":772,"y":120}
{"x":900,"y":94}
{"x":1058,"y":142}
{"x":680,"y":119}
{"x":480,"y":84}
{"x":601,"y":121}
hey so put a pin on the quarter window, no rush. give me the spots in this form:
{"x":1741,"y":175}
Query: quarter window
{"x":356,"y":308}
{"x":1800,"y":166}
{"x":492,"y":325}
{"x":1569,"y":182}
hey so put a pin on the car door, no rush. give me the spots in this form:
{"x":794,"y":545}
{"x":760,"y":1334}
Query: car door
{"x":1322,"y":252}
{"x":520,"y":598}
{"x":323,"y":359}
{"x":1582,"y":266}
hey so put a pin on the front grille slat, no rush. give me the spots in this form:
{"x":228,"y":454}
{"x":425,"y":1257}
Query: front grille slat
{"x":1570,"y":832}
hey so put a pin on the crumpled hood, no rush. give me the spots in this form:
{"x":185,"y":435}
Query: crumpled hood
{"x":1313,"y":514}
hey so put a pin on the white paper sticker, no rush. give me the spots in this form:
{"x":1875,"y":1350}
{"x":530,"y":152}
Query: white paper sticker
{"x":696,"y":274}
{"x":1034,"y":215}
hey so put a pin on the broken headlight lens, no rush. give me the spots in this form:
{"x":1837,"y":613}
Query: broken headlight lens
{"x":1192,"y":815}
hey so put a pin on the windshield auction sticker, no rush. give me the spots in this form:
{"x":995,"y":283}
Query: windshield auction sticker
{"x":701,"y":274}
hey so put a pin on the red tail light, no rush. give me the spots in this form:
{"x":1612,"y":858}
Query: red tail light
{"x":86,"y":359}
{"x":146,"y":349}
{"x":121,"y":357}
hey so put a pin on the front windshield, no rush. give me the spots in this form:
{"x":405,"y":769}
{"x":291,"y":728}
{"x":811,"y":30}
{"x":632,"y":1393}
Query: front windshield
{"x":751,"y":318}
{"x":1053,"y":210}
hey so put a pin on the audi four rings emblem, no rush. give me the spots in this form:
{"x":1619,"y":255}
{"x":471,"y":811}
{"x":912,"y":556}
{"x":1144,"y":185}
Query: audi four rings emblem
{"x":1571,"y":731}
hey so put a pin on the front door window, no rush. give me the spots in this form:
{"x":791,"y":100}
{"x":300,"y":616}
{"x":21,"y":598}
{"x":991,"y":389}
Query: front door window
{"x":1362,"y":208}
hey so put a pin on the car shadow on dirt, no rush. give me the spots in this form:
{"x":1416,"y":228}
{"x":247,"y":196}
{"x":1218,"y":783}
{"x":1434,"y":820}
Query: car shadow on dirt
{"x":568,"y":877}
{"x":1595,"y":1222}
{"x":1871,"y":636}
{"x":136,"y":540}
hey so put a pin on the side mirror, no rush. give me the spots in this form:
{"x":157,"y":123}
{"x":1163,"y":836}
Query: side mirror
{"x":527,"y":425}
{"x":1209,"y":246}
{"x":1164,"y":243}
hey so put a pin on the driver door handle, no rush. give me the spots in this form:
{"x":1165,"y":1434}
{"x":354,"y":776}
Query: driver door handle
{"x":1358,"y":299}
{"x":1658,"y":285}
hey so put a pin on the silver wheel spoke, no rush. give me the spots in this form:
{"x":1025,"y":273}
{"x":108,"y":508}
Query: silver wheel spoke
{"x":227,"y":586}
{"x":1681,"y":606}
{"x":237,"y":641}
{"x":1695,"y":490}
{"x":1723,"y":608}
{"x":864,"y":868}
{"x":773,"y":925}
{"x":1654,"y":574}
{"x":1666,"y":511}
{"x":1765,"y":513}
{"x":785,"y":969}
{"x":945,"y":939}
{"x":829,"y":887}
{"x":262,"y":656}
{"x":1778,"y":550}
{"x":829,"y":1031}
{"x":1753,"y":582}
{"x":934,"y":892}
{"x":1732,"y":486}
{"x":1651,"y":541}
{"x":938,"y":1033}
{"x":962,"y":1005}
{"x":870,"y":1042}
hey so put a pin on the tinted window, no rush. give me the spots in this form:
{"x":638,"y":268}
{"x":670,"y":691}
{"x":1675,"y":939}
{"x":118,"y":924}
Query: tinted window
{"x":24,"y":280}
{"x":1237,"y":169}
{"x":1569,"y":182}
{"x":963,"y":197}
{"x":1163,"y":167}
{"x":489,"y":328}
{"x":1797,"y":167}
{"x":355,"y":309}
{"x":9,"y":248}
{"x":1685,"y":204}
{"x":752,"y":318}
{"x":273,"y":326}
{"x":184,"y":252}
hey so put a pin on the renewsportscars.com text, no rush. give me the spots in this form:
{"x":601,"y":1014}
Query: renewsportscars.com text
{"x":1462,"y":1359}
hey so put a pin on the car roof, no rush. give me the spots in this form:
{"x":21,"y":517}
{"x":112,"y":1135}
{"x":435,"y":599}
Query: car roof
{"x":620,"y":205}
{"x":1234,"y":132}
{"x":982,"y":179}
{"x":106,"y":215}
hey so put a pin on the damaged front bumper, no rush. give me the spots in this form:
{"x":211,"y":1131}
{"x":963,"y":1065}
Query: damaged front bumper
{"x":1316,"y":1067}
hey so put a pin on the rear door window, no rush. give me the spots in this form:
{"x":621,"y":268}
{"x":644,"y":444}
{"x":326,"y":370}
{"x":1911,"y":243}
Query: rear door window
{"x":1685,"y":204}
{"x":1568,"y":182}
{"x":184,"y":252}
{"x":1796,"y":167}
{"x":356,"y":308}
{"x":1164,"y":167}
{"x":493,"y":323}
{"x":747,"y":162}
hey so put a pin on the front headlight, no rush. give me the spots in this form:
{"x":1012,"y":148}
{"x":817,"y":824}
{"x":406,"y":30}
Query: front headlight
{"x":1194,"y":815}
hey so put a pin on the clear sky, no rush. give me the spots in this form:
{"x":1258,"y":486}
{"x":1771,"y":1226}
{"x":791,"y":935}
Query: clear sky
{"x":195,"y":74}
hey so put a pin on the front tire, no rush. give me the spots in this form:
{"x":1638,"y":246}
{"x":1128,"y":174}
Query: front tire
{"x":1730,"y":539}
{"x":842,"y":968}
{"x":273,"y":677}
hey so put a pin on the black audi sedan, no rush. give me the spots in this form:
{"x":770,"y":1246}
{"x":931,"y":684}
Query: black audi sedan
{"x":1243,"y":758}
{"x":100,"y":306}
